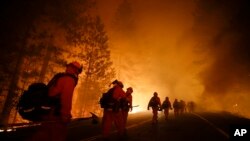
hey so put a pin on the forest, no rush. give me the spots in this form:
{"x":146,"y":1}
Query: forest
{"x":38,"y":39}
{"x":195,"y":50}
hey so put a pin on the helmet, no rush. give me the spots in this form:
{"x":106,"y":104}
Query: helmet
{"x":130,"y":89}
{"x":76,"y":65}
{"x":155,"y":94}
{"x":118,"y":83}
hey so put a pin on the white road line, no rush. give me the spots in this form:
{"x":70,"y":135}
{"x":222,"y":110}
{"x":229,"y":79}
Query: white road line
{"x":128,"y":127}
{"x":211,"y":124}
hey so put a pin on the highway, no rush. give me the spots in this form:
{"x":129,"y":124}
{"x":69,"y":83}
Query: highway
{"x":207,"y":126}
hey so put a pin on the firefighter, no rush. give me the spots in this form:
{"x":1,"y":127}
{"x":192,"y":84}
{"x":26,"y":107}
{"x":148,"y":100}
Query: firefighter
{"x":127,"y":105}
{"x":166,"y":106}
{"x":55,"y":126}
{"x":190,"y":106}
{"x":155,"y":104}
{"x":182,"y":106}
{"x":176,"y":106}
{"x":113,"y":113}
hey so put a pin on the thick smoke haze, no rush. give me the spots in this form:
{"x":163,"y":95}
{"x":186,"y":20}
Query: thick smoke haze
{"x":189,"y":50}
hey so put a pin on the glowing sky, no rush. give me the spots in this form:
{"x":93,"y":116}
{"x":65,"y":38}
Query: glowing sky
{"x":182,"y":50}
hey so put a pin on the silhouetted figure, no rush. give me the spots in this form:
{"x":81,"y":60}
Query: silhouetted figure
{"x":182,"y":105}
{"x":54,"y":128}
{"x":191,"y":106}
{"x":176,"y":106}
{"x":166,"y":106}
{"x":127,"y":106}
{"x":112,"y":113}
{"x":155,"y":104}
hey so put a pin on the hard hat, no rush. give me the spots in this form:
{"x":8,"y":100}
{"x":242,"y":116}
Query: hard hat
{"x":130,"y":89}
{"x":76,"y":65}
{"x":155,"y":93}
{"x":118,"y":83}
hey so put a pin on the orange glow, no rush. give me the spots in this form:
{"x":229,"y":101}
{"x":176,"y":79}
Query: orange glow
{"x":136,"y":110}
{"x":176,"y":54}
{"x":190,"y":50}
{"x":165,"y":54}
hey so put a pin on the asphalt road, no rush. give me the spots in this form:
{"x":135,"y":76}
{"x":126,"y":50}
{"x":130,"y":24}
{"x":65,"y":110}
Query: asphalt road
{"x":219,"y":126}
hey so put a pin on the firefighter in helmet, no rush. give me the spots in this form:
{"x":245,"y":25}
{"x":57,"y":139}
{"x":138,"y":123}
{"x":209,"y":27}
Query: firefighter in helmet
{"x":166,"y":106}
{"x":114,"y":114}
{"x":176,"y":106}
{"x":63,"y":89}
{"x":155,"y":104}
{"x":127,"y":105}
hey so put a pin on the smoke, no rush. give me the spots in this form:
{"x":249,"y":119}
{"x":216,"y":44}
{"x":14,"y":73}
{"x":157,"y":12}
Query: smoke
{"x":226,"y":80}
{"x":190,"y":50}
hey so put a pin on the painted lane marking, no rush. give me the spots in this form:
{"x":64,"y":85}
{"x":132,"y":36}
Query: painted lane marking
{"x":211,"y":124}
{"x":128,"y":127}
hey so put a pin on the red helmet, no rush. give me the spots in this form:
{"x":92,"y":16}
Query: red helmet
{"x":76,"y":65}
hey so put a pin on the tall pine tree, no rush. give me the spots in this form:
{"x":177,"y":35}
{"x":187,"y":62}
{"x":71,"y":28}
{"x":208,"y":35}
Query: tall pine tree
{"x":92,"y":42}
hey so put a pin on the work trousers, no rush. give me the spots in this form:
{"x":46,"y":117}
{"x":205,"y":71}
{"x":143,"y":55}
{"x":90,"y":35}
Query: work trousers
{"x":50,"y":131}
{"x":166,"y":113}
{"x":110,"y":117}
{"x":155,"y":114}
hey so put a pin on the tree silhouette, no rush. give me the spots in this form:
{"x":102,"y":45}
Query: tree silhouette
{"x":92,"y":42}
{"x":17,"y":19}
{"x":32,"y":51}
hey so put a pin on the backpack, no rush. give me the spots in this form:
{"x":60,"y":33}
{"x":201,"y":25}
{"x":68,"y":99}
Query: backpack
{"x":153,"y":102}
{"x":166,"y":104}
{"x":107,"y":100}
{"x":34,"y":103}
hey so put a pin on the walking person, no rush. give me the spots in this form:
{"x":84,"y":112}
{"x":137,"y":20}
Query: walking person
{"x":166,"y":106}
{"x":155,"y":104}
{"x":176,"y":106}
{"x":182,"y":106}
{"x":127,"y":106}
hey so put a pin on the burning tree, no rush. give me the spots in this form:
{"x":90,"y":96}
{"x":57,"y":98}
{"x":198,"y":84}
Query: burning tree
{"x":45,"y":41}
{"x":92,"y":49}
